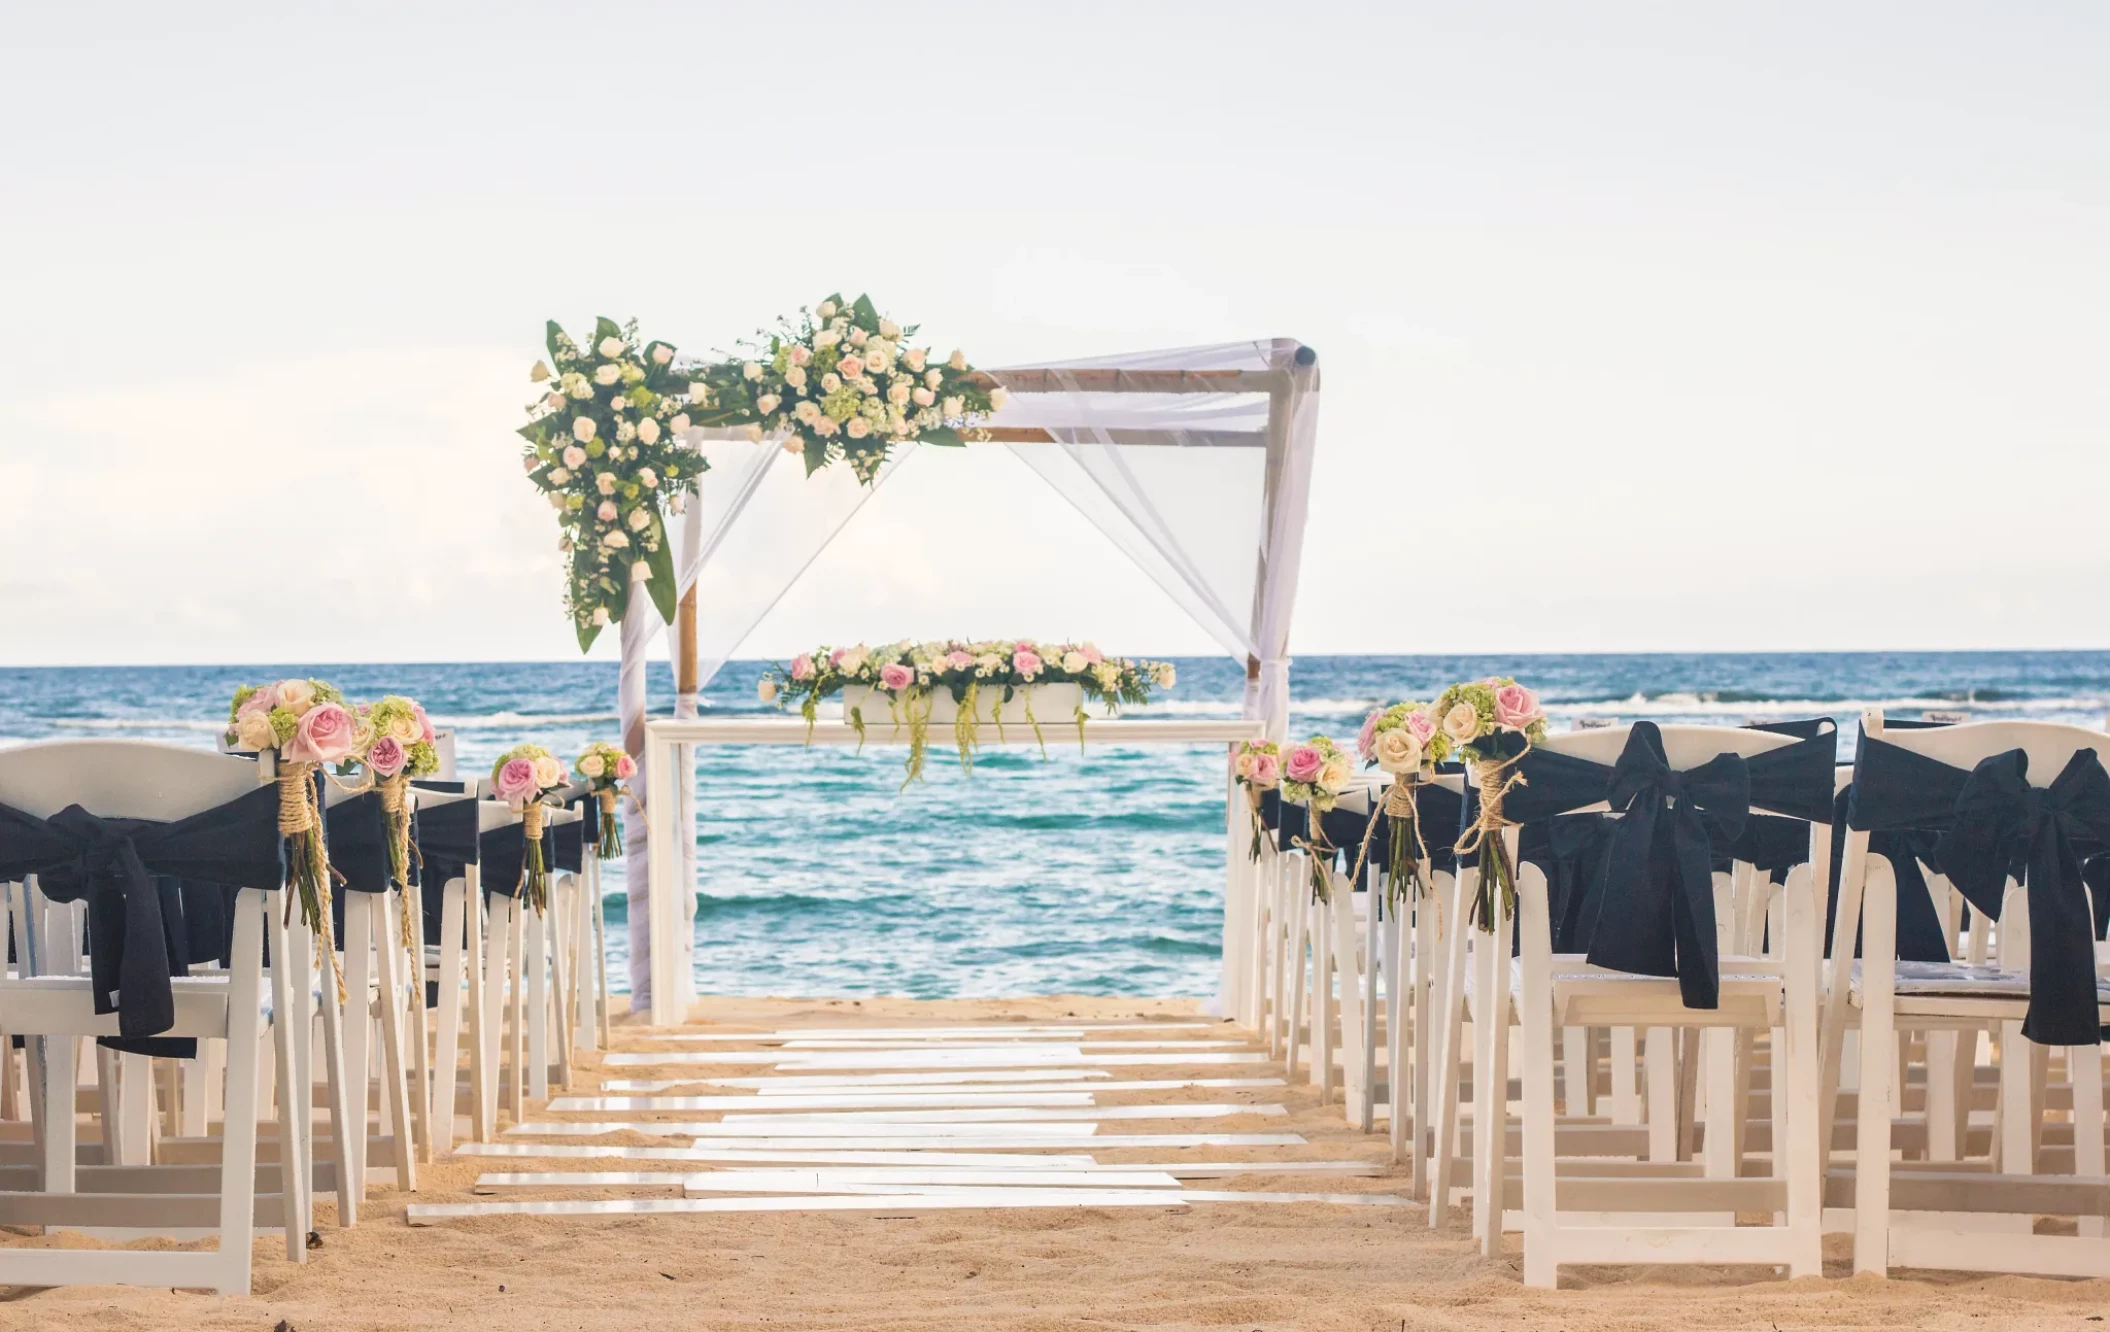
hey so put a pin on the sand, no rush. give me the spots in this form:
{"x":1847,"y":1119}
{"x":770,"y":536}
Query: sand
{"x":1273,"y":1267}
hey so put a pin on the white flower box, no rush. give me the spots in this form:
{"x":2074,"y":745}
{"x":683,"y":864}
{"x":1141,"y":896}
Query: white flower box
{"x":1052,"y":704}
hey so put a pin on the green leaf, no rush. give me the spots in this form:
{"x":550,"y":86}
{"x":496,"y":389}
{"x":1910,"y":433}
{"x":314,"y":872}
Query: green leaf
{"x":588,"y":631}
{"x":661,"y":585}
{"x":535,"y":432}
{"x":865,"y":315}
{"x":604,"y":327}
{"x":945,"y":437}
{"x":816,"y":455}
{"x":553,"y":337}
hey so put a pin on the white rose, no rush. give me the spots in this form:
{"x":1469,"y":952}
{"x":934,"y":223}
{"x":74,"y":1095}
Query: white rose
{"x":549,"y":771}
{"x":640,"y":572}
{"x":679,"y":423}
{"x":998,"y":397}
{"x":915,"y":358}
{"x":558,"y":476}
{"x":853,"y":661}
{"x":296,"y":696}
{"x":647,"y":478}
{"x":826,"y":338}
{"x":648,"y":430}
{"x":555,"y":402}
{"x":640,"y":519}
{"x":1398,"y":751}
{"x":889,"y":330}
{"x":1334,"y":776}
{"x":831,"y":382}
{"x":898,"y":394}
{"x":591,"y":765}
{"x":607,"y":374}
{"x":825,"y":310}
{"x":556,"y":501}
{"x":858,"y":427}
{"x":934,"y":378}
{"x":767,"y":403}
{"x":958,"y":359}
{"x":600,"y":615}
{"x":582,"y":429}
{"x":662,"y":354}
{"x":615,"y":540}
{"x":605,"y":483}
{"x":679,"y":503}
{"x":751,"y":370}
{"x":795,"y":377}
{"x":923,"y":397}
{"x":625,"y":431}
{"x":539,"y":373}
{"x":953,"y":407}
{"x":1462,"y":722}
{"x":767,"y":690}
{"x":699,"y":392}
{"x":1074,"y":662}
{"x":858,"y":337}
{"x":610,"y":347}
{"x":253,"y":731}
{"x":806,"y":411}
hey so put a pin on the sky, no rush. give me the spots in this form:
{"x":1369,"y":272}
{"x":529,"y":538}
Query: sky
{"x":1643,"y":326}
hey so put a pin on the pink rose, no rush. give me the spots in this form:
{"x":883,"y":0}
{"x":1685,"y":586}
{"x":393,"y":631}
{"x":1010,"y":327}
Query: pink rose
{"x":850,"y":367}
{"x":1267,"y":770}
{"x":324,"y":735}
{"x":800,"y":355}
{"x":1516,"y":707}
{"x":1303,"y":763}
{"x":263,"y":700}
{"x":386,"y":756}
{"x":515,"y":780}
{"x":607,"y":511}
{"x":1364,"y":737}
{"x":625,"y":768}
{"x":959,"y":660}
{"x":896,"y":676}
{"x":835,"y":658}
{"x":1026,"y":662}
{"x":1421,"y":726}
{"x":802,"y":667}
{"x":425,"y":731}
{"x":1092,"y":654}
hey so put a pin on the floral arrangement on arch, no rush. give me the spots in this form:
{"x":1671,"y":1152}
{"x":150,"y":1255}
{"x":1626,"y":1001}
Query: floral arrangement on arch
{"x":604,"y":768}
{"x":1258,"y":767}
{"x":909,"y":676}
{"x":843,"y":383}
{"x":302,"y":724}
{"x":1405,"y":741}
{"x":604,"y":446}
{"x":1492,"y":723}
{"x":524,"y":777}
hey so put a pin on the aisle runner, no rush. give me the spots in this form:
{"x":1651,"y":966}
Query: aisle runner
{"x":910,"y":1119}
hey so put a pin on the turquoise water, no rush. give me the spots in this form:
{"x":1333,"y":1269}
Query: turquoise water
{"x":1096,"y":873}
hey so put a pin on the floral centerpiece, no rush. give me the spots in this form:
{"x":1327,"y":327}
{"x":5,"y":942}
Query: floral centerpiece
{"x":976,"y":681}
{"x":604,"y":445}
{"x":524,"y":776}
{"x":843,"y":383}
{"x":1314,"y":774}
{"x":605,"y":767}
{"x":302,"y":725}
{"x":1492,"y":723}
{"x":399,"y":746}
{"x":1258,"y":768}
{"x":1404,"y":741}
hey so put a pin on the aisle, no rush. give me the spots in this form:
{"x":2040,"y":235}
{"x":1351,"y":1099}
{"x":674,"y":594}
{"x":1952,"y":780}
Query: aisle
{"x":913,"y":1119}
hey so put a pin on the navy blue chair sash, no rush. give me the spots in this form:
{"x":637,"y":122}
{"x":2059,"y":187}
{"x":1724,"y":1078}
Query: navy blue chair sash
{"x":112,"y":864}
{"x":1990,"y":825}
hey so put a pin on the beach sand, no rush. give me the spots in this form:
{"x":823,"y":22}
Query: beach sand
{"x":1245,"y":1266}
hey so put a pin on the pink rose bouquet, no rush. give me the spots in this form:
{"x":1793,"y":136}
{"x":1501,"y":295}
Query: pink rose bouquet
{"x":1407,"y":741}
{"x":397,"y":746}
{"x":298,"y":725}
{"x":523,"y":777}
{"x":1492,"y":723}
{"x":1257,"y":764}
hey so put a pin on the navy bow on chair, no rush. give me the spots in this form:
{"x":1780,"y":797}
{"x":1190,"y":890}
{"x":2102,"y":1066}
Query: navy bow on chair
{"x":1992,"y":826}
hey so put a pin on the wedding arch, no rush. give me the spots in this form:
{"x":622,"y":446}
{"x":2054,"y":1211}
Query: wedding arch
{"x":1195,"y":462}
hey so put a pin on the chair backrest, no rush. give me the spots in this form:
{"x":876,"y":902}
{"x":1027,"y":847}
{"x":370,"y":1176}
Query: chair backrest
{"x":2049,"y":745}
{"x":1684,"y":746}
{"x":137,"y":779}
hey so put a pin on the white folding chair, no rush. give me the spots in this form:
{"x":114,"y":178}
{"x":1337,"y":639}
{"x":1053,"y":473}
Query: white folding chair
{"x":55,"y":1010}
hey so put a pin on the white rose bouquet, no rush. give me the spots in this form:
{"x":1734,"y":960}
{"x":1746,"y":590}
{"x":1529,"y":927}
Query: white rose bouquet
{"x":843,"y":383}
{"x":603,"y":437}
{"x":1405,"y":741}
{"x":1492,"y":722}
{"x":1314,"y":774}
{"x":1257,"y":765}
{"x":303,"y":725}
{"x":604,"y":768}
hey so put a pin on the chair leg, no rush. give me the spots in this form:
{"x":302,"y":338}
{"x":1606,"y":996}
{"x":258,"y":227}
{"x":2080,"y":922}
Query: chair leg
{"x":2084,"y":1066}
{"x":395,"y":1089}
{"x":534,"y":982}
{"x":447,"y":1038}
{"x":238,"y":1141}
{"x":289,"y":981}
{"x":1448,"y":1036}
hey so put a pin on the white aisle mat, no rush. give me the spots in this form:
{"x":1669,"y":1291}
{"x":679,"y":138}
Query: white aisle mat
{"x":704,"y":1129}
{"x":427,"y":1214}
{"x":908,"y":1140}
{"x":825,"y":1061}
{"x":1002,"y":1114}
{"x":787,"y":1180}
{"x":997,"y":1029}
{"x":775,"y":1156}
{"x":1017,"y":1082}
{"x":822,"y":1101}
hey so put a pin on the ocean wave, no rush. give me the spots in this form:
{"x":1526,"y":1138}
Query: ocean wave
{"x":138,"y":724}
{"x":1743,"y":702}
{"x":508,"y":720}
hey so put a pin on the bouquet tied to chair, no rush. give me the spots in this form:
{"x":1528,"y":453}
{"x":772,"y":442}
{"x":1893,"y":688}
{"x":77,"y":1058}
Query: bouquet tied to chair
{"x":525,"y":776}
{"x":604,"y":768}
{"x":1492,"y":723}
{"x":1406,"y":742}
{"x":1314,"y":774}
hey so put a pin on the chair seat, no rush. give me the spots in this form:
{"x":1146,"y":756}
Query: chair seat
{"x":1587,"y":995}
{"x":1991,"y":991}
{"x":64,"y":1006}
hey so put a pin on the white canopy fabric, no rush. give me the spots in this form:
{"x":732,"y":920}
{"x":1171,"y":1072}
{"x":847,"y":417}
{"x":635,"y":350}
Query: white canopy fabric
{"x":1196,"y":462}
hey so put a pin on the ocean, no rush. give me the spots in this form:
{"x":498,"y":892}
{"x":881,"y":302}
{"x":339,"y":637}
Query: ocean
{"x":1093,"y":873}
